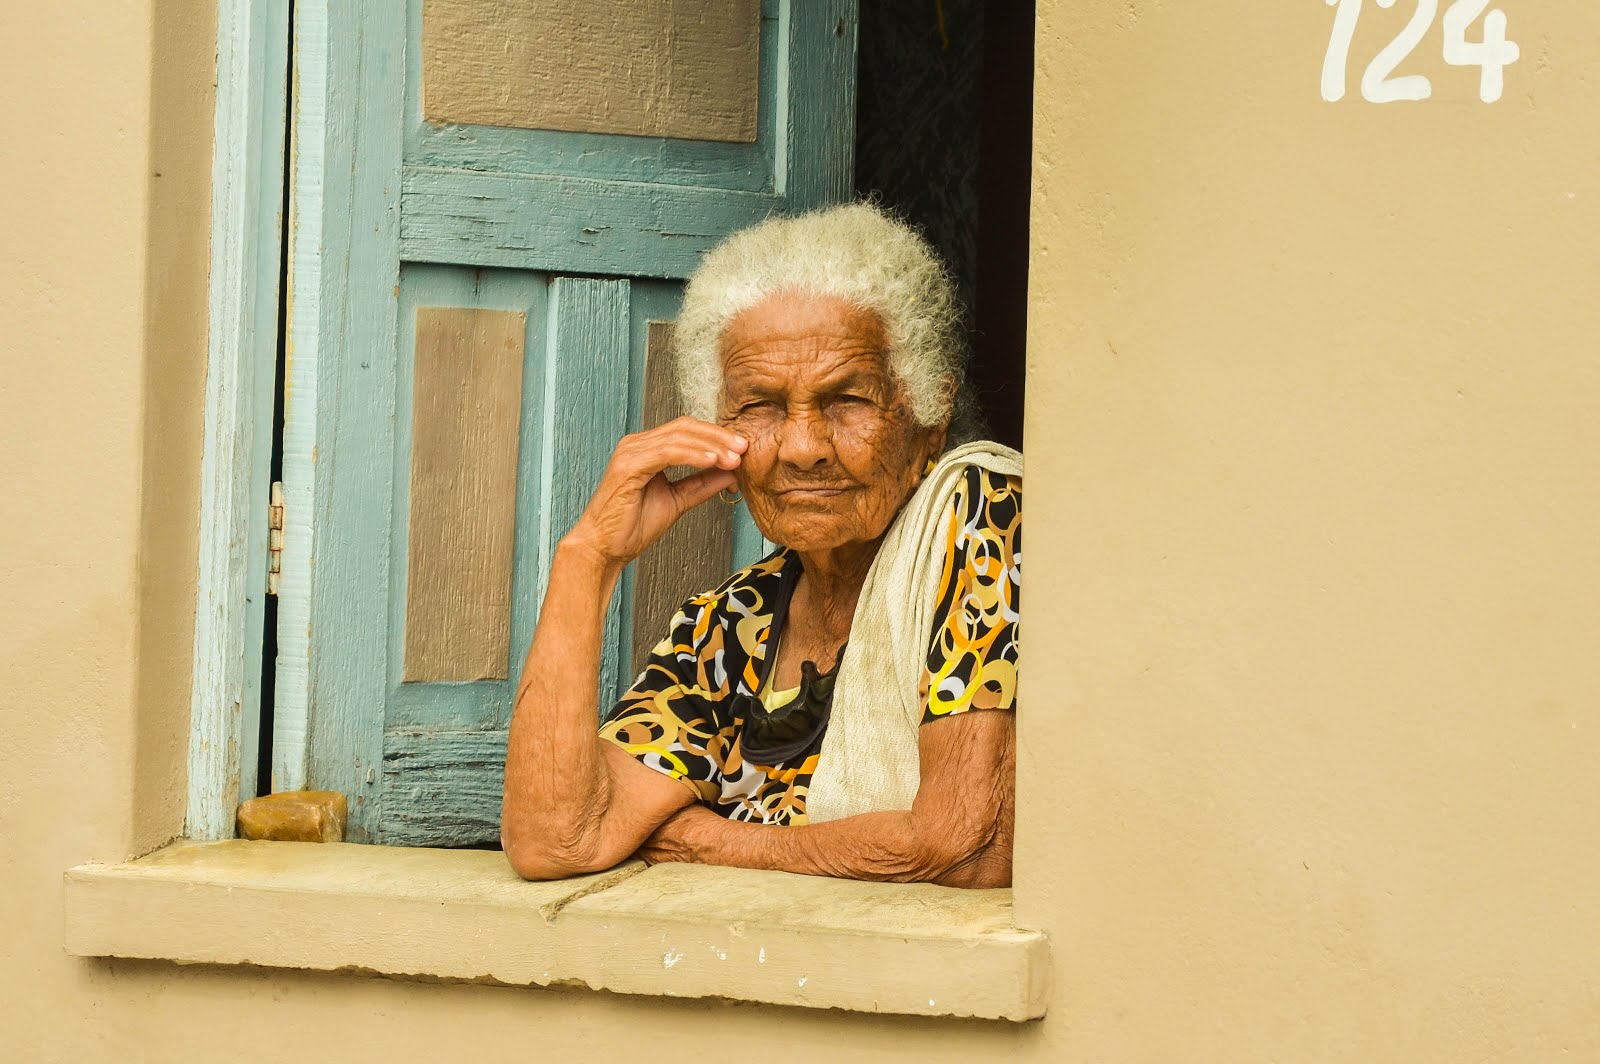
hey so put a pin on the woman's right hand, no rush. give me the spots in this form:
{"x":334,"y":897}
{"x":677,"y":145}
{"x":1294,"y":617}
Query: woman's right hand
{"x":634,"y":503}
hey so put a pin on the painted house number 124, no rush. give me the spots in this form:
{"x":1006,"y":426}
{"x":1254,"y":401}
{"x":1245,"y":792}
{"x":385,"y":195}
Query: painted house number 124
{"x":1492,"y":54}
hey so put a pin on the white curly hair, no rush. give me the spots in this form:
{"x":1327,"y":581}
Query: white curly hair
{"x":856,"y":252}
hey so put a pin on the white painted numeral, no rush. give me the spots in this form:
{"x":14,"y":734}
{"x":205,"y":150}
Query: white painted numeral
{"x":1337,"y":60}
{"x":1376,"y":84}
{"x":1493,"y":54}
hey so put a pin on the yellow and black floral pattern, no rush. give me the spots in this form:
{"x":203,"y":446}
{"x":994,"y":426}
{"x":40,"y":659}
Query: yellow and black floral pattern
{"x":686,"y":711}
{"x":972,"y":663}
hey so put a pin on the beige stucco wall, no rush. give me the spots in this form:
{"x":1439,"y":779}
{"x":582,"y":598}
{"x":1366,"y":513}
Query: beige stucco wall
{"x":1312,"y":414}
{"x":1310,"y":743}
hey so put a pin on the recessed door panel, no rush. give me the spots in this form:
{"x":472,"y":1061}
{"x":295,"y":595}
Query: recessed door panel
{"x":685,"y":69}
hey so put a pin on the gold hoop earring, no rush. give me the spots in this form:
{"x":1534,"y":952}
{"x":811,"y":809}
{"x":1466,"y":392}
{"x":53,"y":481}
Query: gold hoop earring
{"x":729,"y":499}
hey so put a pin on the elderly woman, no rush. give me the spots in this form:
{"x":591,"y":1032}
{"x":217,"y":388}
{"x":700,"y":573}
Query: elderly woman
{"x":845,"y":706}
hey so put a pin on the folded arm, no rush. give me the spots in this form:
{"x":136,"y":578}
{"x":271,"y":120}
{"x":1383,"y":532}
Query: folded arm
{"x":575,"y":803}
{"x":957,"y":832}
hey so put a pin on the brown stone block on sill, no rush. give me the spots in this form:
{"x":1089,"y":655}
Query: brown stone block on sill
{"x":295,"y":816}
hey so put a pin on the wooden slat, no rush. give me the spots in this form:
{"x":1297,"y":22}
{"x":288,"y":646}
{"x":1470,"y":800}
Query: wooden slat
{"x":660,"y":68}
{"x":339,"y":414}
{"x":697,"y":552}
{"x":820,"y":153}
{"x":442,"y":788}
{"x":466,"y":408}
{"x":568,"y":224}
{"x":586,"y":396}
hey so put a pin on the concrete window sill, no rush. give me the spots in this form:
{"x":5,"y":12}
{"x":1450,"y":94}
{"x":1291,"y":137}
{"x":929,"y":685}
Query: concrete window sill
{"x":672,"y":930}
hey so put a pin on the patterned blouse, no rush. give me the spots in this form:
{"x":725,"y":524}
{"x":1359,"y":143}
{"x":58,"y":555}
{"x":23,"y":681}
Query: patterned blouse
{"x":688,"y":713}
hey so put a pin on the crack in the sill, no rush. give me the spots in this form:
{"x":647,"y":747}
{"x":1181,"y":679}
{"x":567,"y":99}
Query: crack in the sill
{"x":595,"y":886}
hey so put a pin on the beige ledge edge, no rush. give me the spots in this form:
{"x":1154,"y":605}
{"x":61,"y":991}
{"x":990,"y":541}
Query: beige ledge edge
{"x":672,"y":930}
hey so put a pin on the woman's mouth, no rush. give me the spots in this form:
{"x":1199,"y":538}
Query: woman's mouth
{"x":820,"y":492}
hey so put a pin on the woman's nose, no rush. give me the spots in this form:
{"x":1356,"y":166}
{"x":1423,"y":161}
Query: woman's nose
{"x":805,"y":442}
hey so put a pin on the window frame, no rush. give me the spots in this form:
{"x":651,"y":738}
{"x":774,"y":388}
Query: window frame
{"x":247,"y":232}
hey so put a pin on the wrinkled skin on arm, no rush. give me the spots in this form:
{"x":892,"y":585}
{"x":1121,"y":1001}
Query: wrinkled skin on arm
{"x":957,"y":832}
{"x":573,"y":802}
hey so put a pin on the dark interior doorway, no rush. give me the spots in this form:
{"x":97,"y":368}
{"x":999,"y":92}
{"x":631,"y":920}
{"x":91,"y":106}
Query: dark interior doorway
{"x":944,"y":136}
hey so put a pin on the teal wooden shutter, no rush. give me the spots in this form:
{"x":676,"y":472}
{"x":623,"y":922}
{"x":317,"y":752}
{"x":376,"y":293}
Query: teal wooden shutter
{"x":469,"y":306}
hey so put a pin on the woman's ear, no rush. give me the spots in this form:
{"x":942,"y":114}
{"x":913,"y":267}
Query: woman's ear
{"x":936,"y":437}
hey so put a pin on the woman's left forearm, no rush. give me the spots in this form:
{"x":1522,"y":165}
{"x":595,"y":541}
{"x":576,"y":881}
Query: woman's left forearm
{"x":889,"y":847}
{"x":957,"y":832}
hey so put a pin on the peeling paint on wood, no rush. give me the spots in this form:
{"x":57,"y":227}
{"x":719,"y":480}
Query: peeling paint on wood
{"x":442,"y":788}
{"x":567,"y":223}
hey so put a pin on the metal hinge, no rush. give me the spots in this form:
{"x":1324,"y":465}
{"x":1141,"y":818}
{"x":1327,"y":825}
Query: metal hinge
{"x":274,"y":537}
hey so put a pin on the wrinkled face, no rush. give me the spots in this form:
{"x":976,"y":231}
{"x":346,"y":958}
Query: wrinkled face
{"x":834,"y":450}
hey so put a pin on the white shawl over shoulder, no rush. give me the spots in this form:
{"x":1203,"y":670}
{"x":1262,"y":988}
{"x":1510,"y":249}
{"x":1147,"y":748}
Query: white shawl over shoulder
{"x":869,"y":759}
